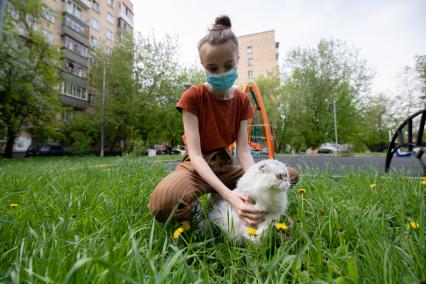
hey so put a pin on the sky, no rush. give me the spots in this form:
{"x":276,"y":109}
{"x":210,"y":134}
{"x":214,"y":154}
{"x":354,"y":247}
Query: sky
{"x":389,"y":33}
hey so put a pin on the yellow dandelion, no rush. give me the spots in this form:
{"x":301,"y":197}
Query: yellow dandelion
{"x":281,"y":226}
{"x":302,"y":190}
{"x":186,"y":226}
{"x":373,"y":186}
{"x":413,"y":225}
{"x":178,"y":232}
{"x":251,"y":231}
{"x":13,"y":205}
{"x":423,"y":181}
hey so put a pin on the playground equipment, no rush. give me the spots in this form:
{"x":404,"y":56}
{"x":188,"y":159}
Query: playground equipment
{"x":404,"y":137}
{"x":259,"y":129}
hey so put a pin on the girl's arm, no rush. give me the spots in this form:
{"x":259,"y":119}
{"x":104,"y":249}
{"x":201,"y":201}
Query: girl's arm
{"x":243,"y":149}
{"x":247,"y":212}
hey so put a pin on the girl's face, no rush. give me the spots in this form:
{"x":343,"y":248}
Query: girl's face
{"x":218,"y":59}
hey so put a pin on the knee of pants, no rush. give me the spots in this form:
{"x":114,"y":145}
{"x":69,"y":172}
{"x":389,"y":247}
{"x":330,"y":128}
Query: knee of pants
{"x":172,"y":195}
{"x":294,"y":176}
{"x":180,"y":209}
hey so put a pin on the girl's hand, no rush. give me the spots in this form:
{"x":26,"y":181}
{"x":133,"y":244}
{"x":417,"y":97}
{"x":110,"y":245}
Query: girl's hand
{"x":245,"y":210}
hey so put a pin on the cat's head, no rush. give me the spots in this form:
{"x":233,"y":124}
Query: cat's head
{"x":274,"y":173}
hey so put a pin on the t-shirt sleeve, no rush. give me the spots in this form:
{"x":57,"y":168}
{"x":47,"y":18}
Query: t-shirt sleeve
{"x":189,"y":101}
{"x":247,"y":111}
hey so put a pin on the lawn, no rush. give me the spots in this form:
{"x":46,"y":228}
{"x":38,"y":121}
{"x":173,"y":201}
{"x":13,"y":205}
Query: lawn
{"x":81,"y":220}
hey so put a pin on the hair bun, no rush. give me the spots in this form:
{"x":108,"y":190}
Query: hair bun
{"x":224,"y":21}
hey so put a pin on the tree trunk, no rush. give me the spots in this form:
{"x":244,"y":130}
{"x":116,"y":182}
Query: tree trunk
{"x":114,"y":141}
{"x":8,"y":152}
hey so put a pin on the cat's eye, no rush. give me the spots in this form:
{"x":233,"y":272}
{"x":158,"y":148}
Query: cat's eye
{"x":280,"y":176}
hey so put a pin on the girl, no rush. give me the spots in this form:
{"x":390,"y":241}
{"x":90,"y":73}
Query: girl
{"x":215,"y":114}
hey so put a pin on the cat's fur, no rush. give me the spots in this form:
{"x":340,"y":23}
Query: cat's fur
{"x":266,"y":182}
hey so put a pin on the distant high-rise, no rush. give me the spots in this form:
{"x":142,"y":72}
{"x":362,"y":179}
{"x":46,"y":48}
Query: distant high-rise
{"x":258,"y":56}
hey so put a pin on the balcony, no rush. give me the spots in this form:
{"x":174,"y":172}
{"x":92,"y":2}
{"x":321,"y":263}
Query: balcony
{"x":68,"y":77}
{"x":75,"y":57}
{"x":75,"y":29}
{"x":85,"y":4}
{"x":75,"y":35}
{"x":73,"y":102}
{"x":126,"y":14}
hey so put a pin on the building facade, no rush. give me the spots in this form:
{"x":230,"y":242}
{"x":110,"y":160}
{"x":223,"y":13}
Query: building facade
{"x":79,"y":27}
{"x":258,"y":56}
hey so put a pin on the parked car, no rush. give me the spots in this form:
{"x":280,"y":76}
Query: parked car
{"x":328,"y":148}
{"x":46,"y":150}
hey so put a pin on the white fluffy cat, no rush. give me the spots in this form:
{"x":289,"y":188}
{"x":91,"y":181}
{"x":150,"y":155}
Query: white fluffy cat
{"x":266,"y":182}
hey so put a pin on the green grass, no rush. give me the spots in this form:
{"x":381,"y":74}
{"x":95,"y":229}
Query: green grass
{"x":82,"y":220}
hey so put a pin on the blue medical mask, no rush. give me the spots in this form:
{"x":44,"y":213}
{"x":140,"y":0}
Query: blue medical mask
{"x":224,"y":81}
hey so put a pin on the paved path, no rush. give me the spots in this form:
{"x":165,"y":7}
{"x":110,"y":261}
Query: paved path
{"x":340,"y":165}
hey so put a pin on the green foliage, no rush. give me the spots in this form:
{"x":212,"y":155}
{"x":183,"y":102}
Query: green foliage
{"x":313,"y":79}
{"x":85,"y":220}
{"x":80,"y":133}
{"x":143,"y":84}
{"x":376,"y":121}
{"x":28,"y":74}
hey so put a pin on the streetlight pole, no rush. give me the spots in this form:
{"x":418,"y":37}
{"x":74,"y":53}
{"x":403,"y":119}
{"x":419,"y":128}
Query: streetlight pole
{"x":103,"y":110}
{"x":335,"y":125}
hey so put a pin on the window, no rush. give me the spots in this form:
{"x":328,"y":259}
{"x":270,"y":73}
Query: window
{"x":249,"y":49}
{"x":109,"y":35}
{"x":75,"y":46}
{"x":126,"y":11}
{"x":68,"y":113}
{"x":92,"y":99}
{"x":74,"y":9}
{"x":110,"y":2}
{"x":94,"y":24}
{"x":75,"y":68}
{"x":93,"y":42}
{"x":250,"y":62}
{"x":95,"y":6}
{"x":76,"y":26}
{"x":110,"y":18}
{"x":124,"y":25}
{"x":92,"y":59}
{"x":31,"y":21}
{"x":250,"y":73}
{"x":72,"y":90}
{"x":48,"y":35}
{"x":47,"y":13}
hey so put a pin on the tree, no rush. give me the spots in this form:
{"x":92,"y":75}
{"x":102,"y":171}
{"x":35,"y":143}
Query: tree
{"x":376,"y":121}
{"x":313,"y":79}
{"x":28,"y":73}
{"x":272,"y":92}
{"x":421,"y":69}
{"x":160,"y":83}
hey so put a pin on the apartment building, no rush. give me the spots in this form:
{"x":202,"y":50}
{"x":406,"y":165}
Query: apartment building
{"x":258,"y":56}
{"x":79,"y":27}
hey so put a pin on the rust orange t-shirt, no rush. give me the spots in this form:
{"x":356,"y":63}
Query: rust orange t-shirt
{"x":218,"y":120}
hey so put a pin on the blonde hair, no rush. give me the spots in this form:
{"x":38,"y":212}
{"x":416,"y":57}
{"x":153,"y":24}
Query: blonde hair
{"x":219,"y":33}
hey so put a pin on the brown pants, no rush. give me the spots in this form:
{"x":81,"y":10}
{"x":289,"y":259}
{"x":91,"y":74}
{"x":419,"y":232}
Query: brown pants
{"x":178,"y":190}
